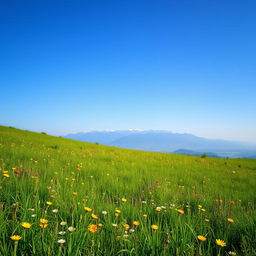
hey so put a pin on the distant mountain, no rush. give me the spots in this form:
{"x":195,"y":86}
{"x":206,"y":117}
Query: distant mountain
{"x":194,"y":153}
{"x":165,"y":141}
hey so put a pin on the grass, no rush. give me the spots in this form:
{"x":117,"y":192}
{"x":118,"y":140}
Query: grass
{"x":73,"y":175}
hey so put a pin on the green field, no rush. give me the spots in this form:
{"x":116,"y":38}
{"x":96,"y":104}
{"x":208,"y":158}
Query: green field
{"x":127,"y":191}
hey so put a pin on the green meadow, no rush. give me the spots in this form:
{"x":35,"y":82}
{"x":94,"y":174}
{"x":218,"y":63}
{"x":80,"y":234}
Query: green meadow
{"x":88,"y":199}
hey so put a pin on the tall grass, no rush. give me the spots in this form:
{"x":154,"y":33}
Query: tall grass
{"x":73,"y":175}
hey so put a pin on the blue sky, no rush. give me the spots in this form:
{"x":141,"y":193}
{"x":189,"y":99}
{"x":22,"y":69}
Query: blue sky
{"x":184,"y":66}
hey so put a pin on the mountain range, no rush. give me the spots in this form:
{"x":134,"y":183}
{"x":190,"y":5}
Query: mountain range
{"x":166,"y":141}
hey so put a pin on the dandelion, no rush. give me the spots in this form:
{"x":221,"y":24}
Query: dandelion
{"x":100,"y":225}
{"x":92,"y":228}
{"x":136,"y":223}
{"x":230,"y":220}
{"x":126,"y":226}
{"x":154,"y":227}
{"x":94,"y":216}
{"x":26,"y":225}
{"x":220,"y":243}
{"x":43,"y":223}
{"x":124,"y":200}
{"x":71,"y":229}
{"x":145,"y":216}
{"x":49,"y":203}
{"x":202,"y":238}
{"x":180,"y":211}
{"x":88,"y":209}
{"x":6,"y":175}
{"x":63,"y":223}
{"x":117,"y":211}
{"x":15,"y":238}
{"x":61,"y":241}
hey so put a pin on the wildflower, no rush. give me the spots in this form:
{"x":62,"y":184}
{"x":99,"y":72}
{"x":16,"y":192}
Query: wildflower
{"x":202,"y":238}
{"x":94,"y":216}
{"x":180,"y":211}
{"x":114,"y":225}
{"x":61,"y":241}
{"x":230,"y":220}
{"x":144,"y":202}
{"x":33,"y":215}
{"x":63,"y":223}
{"x":158,"y":209}
{"x":26,"y":225}
{"x":55,"y":210}
{"x":131,"y":230}
{"x":43,"y":223}
{"x":15,"y":238}
{"x":232,"y":202}
{"x":200,"y":206}
{"x":136,"y":223}
{"x":71,"y":229}
{"x":87,"y":209}
{"x":206,"y":220}
{"x":92,"y":228}
{"x":220,"y":243}
{"x":124,"y":200}
{"x":117,"y":214}
{"x":100,"y":225}
{"x":232,"y":253}
{"x":31,"y":209}
{"x":17,"y":172}
{"x":117,"y":211}
{"x":145,"y":216}
{"x":49,"y":203}
{"x":62,"y":233}
{"x":202,"y":210}
{"x":5,"y":172}
{"x":154,"y":227}
{"x":6,"y":175}
{"x":126,"y":226}
{"x":104,"y":212}
{"x":74,"y":193}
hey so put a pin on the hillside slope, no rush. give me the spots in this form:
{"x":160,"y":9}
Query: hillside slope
{"x":128,"y":191}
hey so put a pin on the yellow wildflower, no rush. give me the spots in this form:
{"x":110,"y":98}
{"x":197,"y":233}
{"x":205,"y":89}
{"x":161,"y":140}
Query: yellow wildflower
{"x":15,"y":238}
{"x":124,"y":200}
{"x":202,"y":238}
{"x":220,"y":243}
{"x":94,"y":216}
{"x":136,"y":223}
{"x":180,"y":211}
{"x":230,"y":220}
{"x":88,"y":209}
{"x":26,"y":225}
{"x":49,"y":203}
{"x":154,"y":227}
{"x":92,"y":228}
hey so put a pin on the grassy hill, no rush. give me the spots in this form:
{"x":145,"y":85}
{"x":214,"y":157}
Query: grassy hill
{"x":112,"y":197}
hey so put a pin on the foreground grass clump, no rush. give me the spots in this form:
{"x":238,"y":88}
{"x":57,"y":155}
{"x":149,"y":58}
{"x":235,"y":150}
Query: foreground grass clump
{"x":64,"y":197}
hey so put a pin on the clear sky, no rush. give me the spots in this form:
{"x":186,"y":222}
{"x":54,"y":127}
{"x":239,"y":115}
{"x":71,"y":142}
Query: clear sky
{"x":184,"y":66}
